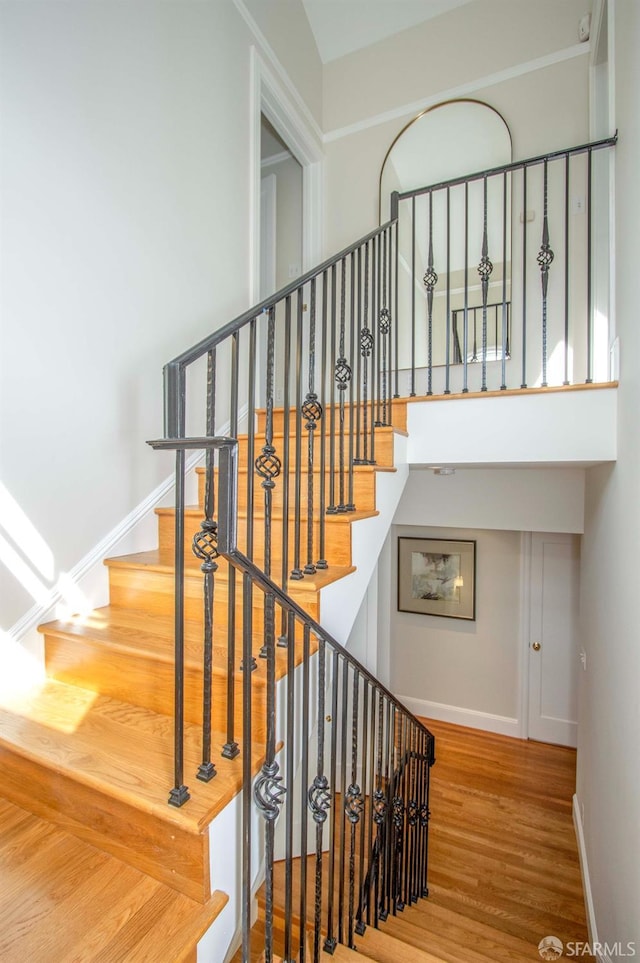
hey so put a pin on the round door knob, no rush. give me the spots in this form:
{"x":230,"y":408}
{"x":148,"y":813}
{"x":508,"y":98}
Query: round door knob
{"x":536,"y":646}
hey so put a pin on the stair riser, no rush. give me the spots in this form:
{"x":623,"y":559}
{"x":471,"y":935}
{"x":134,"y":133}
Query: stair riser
{"x":150,"y":590}
{"x":383,"y":450}
{"x":337,"y":540}
{"x":164,"y":851}
{"x":364,"y":491}
{"x":147,"y":681}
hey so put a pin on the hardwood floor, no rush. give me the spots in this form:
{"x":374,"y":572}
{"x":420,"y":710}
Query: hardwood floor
{"x":64,"y":901}
{"x":503,"y":860}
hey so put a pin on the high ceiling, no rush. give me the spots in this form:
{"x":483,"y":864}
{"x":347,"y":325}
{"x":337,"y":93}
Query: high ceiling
{"x":342,"y":26}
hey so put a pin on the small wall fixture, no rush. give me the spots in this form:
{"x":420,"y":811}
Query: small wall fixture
{"x":444,"y":471}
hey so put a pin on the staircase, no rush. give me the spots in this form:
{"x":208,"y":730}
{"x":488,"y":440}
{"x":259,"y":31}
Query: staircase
{"x":87,"y":758}
{"x":209,"y":681}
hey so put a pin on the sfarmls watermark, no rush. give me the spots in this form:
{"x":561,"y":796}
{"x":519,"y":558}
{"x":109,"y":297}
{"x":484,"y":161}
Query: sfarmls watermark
{"x":551,"y":948}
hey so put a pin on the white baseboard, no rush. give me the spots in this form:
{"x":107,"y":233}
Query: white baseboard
{"x":502,"y":725}
{"x":592,"y":928}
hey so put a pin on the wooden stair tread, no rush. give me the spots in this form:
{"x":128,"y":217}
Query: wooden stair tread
{"x":384,"y":948}
{"x":151,"y":635}
{"x":120,"y":750}
{"x":62,"y":899}
{"x":151,"y":560}
{"x":357,"y":469}
{"x":340,"y":518}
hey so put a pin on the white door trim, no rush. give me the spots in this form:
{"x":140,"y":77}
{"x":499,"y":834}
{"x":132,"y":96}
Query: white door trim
{"x":525,"y":616}
{"x":269,"y":97}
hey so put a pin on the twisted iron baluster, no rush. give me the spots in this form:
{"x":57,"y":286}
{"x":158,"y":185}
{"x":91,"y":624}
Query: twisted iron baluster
{"x":312,"y":412}
{"x":205,"y":547}
{"x":379,"y":807}
{"x":331,"y":941}
{"x":544,"y":259}
{"x":366,"y":346}
{"x":485,"y":269}
{"x":384,"y":327}
{"x":342,"y":378}
{"x":319,"y":801}
{"x":268,"y":791}
{"x":353,"y":802}
{"x":267,"y":464}
{"x":430,"y":280}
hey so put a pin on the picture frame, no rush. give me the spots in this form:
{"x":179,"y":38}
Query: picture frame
{"x":437,"y":577}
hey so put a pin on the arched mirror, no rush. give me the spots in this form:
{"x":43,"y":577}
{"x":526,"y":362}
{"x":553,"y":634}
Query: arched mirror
{"x":448,"y":226}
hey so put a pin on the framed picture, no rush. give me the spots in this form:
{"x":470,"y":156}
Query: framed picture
{"x":437,"y":577}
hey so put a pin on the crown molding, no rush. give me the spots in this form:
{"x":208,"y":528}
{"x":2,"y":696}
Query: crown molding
{"x":463,"y":90}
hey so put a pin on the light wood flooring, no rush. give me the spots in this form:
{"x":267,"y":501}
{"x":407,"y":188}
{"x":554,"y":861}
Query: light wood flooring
{"x":503,"y":861}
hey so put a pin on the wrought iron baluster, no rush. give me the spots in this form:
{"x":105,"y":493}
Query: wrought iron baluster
{"x":343,"y":380}
{"x":374,"y":349}
{"x":447,"y":375}
{"x":350,"y":506}
{"x":412,"y":392}
{"x":366,"y":345}
{"x":384,"y":327}
{"x":566,"y":270}
{"x":205,"y":548}
{"x":247,"y":775}
{"x":304,"y":781}
{"x":251,"y":434}
{"x":545,"y":259}
{"x":267,"y":464}
{"x":364,"y":742}
{"x":319,"y":799}
{"x":343,"y":788}
{"x":331,"y":510}
{"x":321,"y":563}
{"x":289,"y":765}
{"x":430,"y":280}
{"x":312,"y":413}
{"x":396,"y":393}
{"x":231,"y":749}
{"x":286,"y":476}
{"x":523,"y":383}
{"x":296,"y":572}
{"x":379,"y":806}
{"x":331,"y":941}
{"x":269,"y":790}
{"x":589,"y":379}
{"x":505,"y":319}
{"x":180,"y":793}
{"x":485,"y":269}
{"x":358,"y":357}
{"x":353,"y":803}
{"x":465,"y":333}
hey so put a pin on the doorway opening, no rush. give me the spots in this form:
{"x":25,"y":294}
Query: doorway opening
{"x":281,"y":211}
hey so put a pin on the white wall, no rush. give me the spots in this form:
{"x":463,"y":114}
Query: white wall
{"x":464,"y":671}
{"x":507,"y":499}
{"x":125,"y":239}
{"x":288,"y":174}
{"x":609,"y":721}
{"x":371,"y":94}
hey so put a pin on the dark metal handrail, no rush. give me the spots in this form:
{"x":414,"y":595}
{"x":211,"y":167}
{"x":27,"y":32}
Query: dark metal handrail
{"x":512,"y":166}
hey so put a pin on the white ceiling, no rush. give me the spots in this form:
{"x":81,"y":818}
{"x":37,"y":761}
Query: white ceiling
{"x":342,"y":26}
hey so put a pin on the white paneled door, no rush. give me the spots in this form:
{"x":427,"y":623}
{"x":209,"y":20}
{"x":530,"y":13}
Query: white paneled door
{"x":553,"y":638}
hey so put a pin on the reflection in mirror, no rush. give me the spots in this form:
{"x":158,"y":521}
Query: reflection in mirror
{"x":442,"y":234}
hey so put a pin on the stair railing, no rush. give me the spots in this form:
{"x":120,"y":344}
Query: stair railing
{"x":340,"y":762}
{"x":529,"y":239}
{"x":328,"y":350}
